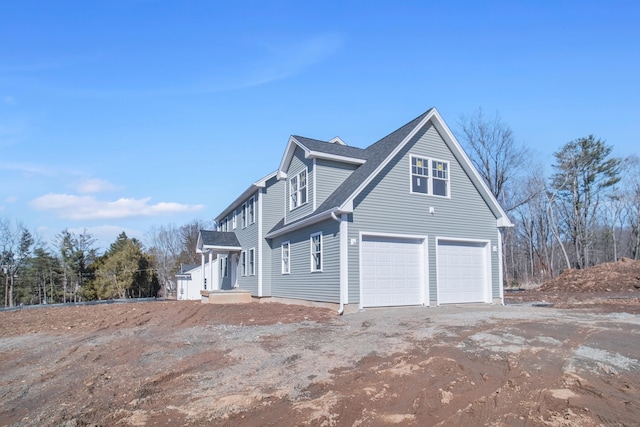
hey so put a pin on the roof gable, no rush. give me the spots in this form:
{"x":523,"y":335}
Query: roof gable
{"x":379,"y":154}
{"x":313,"y":148}
{"x":217,"y":241}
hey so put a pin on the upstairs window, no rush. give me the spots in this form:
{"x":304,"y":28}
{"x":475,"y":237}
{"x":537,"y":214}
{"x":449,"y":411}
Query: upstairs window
{"x":316,"y":252}
{"x":244,"y":215}
{"x":419,"y":175}
{"x":234,"y":221}
{"x":298,"y":190}
{"x":440,"y":173}
{"x":429,"y":176}
{"x":252,"y":210}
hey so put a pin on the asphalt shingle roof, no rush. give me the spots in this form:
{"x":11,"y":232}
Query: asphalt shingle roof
{"x":330,"y":148}
{"x":374,"y":155}
{"x":219,"y":238}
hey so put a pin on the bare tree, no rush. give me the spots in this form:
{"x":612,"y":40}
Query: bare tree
{"x":15,"y":249}
{"x":165,"y":245}
{"x":498,"y":157}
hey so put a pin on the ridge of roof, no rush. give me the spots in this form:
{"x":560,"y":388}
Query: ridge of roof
{"x":331,"y":148}
{"x":376,"y":154}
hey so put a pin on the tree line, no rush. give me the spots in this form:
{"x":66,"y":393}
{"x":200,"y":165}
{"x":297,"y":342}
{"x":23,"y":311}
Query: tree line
{"x":580,"y":210}
{"x":72,"y":270}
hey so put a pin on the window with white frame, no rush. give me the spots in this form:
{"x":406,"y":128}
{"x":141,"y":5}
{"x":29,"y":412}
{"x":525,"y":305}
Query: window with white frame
{"x":243,"y":263}
{"x":298,"y":190}
{"x":440,"y":178}
{"x":234,"y":221}
{"x":244,"y":215}
{"x":224,"y":264}
{"x":286,"y":254}
{"x":252,"y":262}
{"x":429,"y":176}
{"x":316,"y":251}
{"x":252,"y":210}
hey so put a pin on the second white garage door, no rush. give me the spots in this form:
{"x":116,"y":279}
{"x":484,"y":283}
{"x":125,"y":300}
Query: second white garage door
{"x":392,"y":271}
{"x":462,"y":272}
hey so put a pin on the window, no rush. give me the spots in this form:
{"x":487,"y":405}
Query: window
{"x":244,"y":215}
{"x":429,"y":176}
{"x":234,"y":220}
{"x":286,"y":269}
{"x":316,"y":252}
{"x":419,"y":175}
{"x":243,"y":263}
{"x":252,"y":210}
{"x":252,"y":262}
{"x":440,"y":173}
{"x":223,"y":261}
{"x":298,"y":190}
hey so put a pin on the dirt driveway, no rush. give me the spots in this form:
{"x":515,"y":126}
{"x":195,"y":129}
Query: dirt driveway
{"x":185,"y":363}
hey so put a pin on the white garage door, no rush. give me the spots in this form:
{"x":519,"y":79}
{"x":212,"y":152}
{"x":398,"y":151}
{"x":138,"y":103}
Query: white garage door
{"x":392,"y":271}
{"x":462,"y":272}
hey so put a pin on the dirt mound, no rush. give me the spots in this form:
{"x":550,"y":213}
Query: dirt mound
{"x":619,"y":276}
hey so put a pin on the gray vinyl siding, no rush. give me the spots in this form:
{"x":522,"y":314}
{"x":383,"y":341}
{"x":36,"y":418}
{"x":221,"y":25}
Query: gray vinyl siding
{"x":387,"y":206}
{"x":272,"y":196}
{"x":248,"y":238}
{"x":298,"y":163}
{"x":301,"y":283}
{"x":328,"y":176}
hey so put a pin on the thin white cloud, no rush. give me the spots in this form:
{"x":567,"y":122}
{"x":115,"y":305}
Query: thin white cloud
{"x":96,"y":185}
{"x":26,"y":168}
{"x":9,"y":100}
{"x":268,"y":62}
{"x":11,"y":199}
{"x":73,"y":207}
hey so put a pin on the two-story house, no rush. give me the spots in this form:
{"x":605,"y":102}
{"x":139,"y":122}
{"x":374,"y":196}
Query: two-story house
{"x":405,"y":221}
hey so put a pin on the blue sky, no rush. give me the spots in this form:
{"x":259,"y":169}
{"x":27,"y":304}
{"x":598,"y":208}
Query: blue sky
{"x":121,"y":115}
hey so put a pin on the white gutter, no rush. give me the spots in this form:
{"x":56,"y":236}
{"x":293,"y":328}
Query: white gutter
{"x":343,"y":258}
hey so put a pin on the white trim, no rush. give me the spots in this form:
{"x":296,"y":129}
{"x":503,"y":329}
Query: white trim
{"x":261,"y":183}
{"x":313,"y":172}
{"x":251,"y":208}
{"x":337,"y":140}
{"x":244,"y":215}
{"x":424,"y":290}
{"x":251,"y":260}
{"x":260,"y":241}
{"x":344,"y":258}
{"x":306,"y":221}
{"x":429,"y":177}
{"x":288,"y":244}
{"x":335,"y":157}
{"x":312,"y":252}
{"x":298,"y":191}
{"x":488,"y":282}
{"x":243,"y":263}
{"x":439,"y":124}
{"x":500,"y":272}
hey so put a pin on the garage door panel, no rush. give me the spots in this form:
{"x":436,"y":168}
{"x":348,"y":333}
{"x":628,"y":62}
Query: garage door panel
{"x":462,"y":272}
{"x":397,"y":275}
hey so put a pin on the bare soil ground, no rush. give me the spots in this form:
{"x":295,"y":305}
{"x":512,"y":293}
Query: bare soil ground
{"x":186,"y":363}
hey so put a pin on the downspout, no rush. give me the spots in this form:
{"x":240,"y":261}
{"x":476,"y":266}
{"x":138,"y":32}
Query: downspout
{"x":342,"y":261}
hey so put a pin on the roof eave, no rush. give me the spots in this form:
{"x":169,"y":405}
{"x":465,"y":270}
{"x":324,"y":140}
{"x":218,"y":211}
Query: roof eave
{"x":320,"y":216}
{"x":334,"y":157}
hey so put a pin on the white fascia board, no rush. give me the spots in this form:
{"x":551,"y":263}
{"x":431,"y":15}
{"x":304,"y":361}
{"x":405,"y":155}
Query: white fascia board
{"x":382,"y":165}
{"x":335,"y":157}
{"x":288,"y":155}
{"x":222,"y":249}
{"x":261,"y":183}
{"x":441,"y":126}
{"x":307,"y":221}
